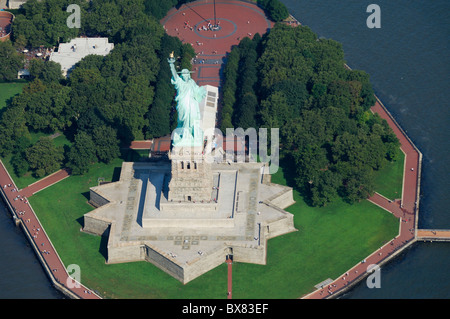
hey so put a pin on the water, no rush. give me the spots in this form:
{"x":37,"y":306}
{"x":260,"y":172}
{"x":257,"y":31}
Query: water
{"x":22,"y":276}
{"x":408,"y":62}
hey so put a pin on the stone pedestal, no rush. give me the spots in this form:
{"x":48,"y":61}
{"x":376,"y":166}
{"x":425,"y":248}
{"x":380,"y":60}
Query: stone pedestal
{"x":192,"y":179}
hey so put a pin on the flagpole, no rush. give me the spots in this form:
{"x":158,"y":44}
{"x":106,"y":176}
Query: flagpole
{"x":215,"y":20}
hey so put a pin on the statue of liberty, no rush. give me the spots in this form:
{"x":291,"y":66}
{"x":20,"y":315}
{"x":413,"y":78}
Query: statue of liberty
{"x":189,"y":95}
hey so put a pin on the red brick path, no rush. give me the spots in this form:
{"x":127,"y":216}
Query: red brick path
{"x":36,"y":233}
{"x":45,"y":182}
{"x":230,"y":278}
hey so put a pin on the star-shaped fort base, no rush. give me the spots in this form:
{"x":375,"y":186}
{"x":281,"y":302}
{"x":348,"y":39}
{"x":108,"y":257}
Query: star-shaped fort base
{"x":188,"y":239}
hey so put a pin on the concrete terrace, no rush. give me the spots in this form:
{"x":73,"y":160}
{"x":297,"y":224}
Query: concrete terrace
{"x":247,"y":214}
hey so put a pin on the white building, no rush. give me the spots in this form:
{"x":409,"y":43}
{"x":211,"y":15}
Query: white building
{"x":71,"y":53}
{"x":15,"y":4}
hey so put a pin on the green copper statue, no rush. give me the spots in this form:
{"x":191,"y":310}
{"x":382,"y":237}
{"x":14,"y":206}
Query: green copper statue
{"x":189,"y":95}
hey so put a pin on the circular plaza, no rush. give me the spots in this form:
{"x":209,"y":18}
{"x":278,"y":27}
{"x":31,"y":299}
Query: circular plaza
{"x":6,"y":19}
{"x":212,"y":28}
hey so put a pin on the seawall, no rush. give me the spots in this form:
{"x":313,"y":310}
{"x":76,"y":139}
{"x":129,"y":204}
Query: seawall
{"x":25,"y":217}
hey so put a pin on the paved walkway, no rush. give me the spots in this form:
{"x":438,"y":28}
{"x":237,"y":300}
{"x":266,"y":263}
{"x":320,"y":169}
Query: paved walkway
{"x":141,"y":145}
{"x":433,"y":234}
{"x":44,"y":183}
{"x":230,"y":278}
{"x":36,"y":234}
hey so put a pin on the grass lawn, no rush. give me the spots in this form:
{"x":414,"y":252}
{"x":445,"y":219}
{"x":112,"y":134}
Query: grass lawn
{"x":389,"y":180}
{"x":8,"y":90}
{"x":330,"y":240}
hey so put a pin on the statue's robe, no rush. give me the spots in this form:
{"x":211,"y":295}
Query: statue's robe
{"x":189,"y":95}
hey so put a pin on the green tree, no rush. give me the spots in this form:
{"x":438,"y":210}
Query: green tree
{"x":44,"y":22}
{"x":11,"y":61}
{"x":325,"y":189}
{"x":275,"y":111}
{"x":277,"y":10}
{"x":20,"y":163}
{"x":229,"y":89}
{"x":12,"y":127}
{"x":246,"y":106}
{"x":157,"y":8}
{"x":82,"y":154}
{"x":26,"y":29}
{"x":19,"y":160}
{"x":44,"y":157}
{"x":106,"y":143}
{"x":247,"y":112}
{"x":46,"y":106}
{"x":104,"y":19}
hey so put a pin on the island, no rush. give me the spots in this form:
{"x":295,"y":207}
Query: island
{"x":80,"y":147}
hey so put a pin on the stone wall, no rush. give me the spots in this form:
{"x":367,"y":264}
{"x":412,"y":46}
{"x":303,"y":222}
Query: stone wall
{"x":126,"y":253}
{"x":249,"y":254}
{"x":204,"y":263}
{"x":283,"y":199}
{"x":158,"y":259}
{"x":94,"y":225}
{"x":279,"y":226}
{"x":96,"y":200}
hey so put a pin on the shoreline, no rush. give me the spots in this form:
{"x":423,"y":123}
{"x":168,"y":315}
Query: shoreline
{"x":25,"y":217}
{"x":362,"y":276}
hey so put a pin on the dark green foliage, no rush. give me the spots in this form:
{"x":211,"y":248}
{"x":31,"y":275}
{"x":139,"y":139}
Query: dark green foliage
{"x":106,"y":101}
{"x":241,"y":77}
{"x":322,"y":109}
{"x":44,"y":157}
{"x":106,"y":143}
{"x":82,"y":154}
{"x":19,"y":160}
{"x":11,"y":61}
{"x":12,"y":127}
{"x":46,"y":71}
{"x":45,"y":106}
{"x":332,"y":140}
{"x":276,"y":10}
{"x":45,"y":22}
{"x":158,"y":8}
{"x":229,"y":89}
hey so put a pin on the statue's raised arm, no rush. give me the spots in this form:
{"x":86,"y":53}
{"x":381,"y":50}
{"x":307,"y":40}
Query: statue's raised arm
{"x":171,"y":61}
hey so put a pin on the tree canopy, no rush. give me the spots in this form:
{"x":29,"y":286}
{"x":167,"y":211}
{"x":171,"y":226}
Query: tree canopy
{"x":44,"y":157}
{"x":11,"y":61}
{"x":327,"y":132}
{"x":107,"y":101}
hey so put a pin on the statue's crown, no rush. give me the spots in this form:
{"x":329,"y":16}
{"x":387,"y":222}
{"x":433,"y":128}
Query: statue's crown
{"x":186,"y":71}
